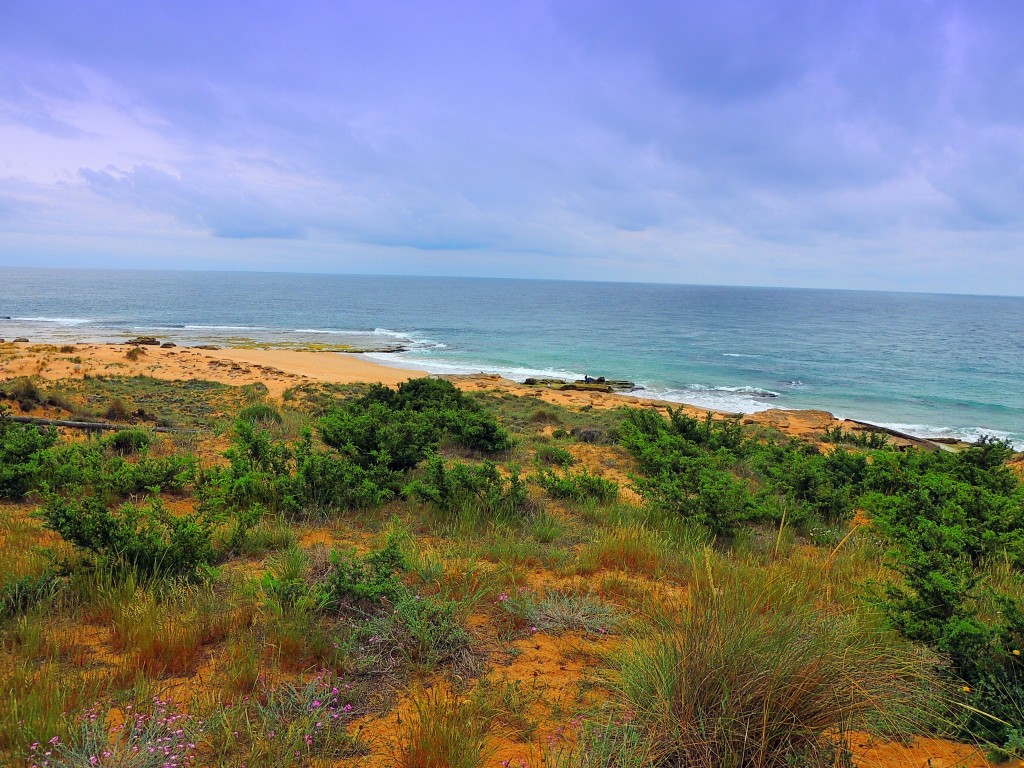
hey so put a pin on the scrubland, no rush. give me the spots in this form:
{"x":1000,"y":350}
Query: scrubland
{"x":422,"y":577}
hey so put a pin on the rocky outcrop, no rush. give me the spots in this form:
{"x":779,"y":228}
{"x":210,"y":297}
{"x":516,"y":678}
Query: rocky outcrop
{"x":600,"y":384}
{"x":148,"y":341}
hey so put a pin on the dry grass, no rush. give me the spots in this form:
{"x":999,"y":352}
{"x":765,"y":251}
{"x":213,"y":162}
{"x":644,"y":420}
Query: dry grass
{"x":444,"y":732}
{"x":633,"y":548}
{"x":754,"y":674}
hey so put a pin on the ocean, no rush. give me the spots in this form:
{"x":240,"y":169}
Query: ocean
{"x":932,"y":365}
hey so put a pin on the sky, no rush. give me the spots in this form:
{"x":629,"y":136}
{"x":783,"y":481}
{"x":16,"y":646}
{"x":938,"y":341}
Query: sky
{"x":870,"y":144}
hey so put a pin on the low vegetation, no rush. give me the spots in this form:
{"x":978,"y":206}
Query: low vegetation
{"x":424,"y":577}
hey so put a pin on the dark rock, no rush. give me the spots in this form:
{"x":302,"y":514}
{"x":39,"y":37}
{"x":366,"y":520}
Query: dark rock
{"x":21,"y":340}
{"x":588,"y":435}
{"x":168,"y":345}
{"x":148,"y":341}
{"x":207,"y":346}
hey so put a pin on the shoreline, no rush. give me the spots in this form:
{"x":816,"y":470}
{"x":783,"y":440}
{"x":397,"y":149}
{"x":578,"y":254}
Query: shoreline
{"x":280,"y":369}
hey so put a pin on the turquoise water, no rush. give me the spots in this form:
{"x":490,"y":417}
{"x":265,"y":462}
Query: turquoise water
{"x":929,"y":364}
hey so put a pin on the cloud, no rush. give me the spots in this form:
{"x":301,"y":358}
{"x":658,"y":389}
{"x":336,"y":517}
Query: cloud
{"x":739,"y":142}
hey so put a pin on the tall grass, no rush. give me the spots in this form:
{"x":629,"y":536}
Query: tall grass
{"x":756,"y":675}
{"x":445,"y":732}
{"x":633,"y":548}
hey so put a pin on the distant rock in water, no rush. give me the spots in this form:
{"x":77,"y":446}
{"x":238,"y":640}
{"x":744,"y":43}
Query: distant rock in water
{"x":148,"y":341}
{"x":589,"y":384}
{"x":209,"y":347}
{"x":21,"y":340}
{"x":168,"y":345}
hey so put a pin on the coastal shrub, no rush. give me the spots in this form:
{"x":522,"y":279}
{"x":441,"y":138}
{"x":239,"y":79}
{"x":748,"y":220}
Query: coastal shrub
{"x":304,"y":482}
{"x":683,"y":432}
{"x":146,"y":538}
{"x":453,"y":487}
{"x":366,"y":579}
{"x":945,"y":516}
{"x":391,"y":619}
{"x":399,"y":428}
{"x":327,"y":481}
{"x":698,"y":492}
{"x":21,"y":448}
{"x":756,"y":673}
{"x":578,"y":487}
{"x":377,"y":434}
{"x":74,"y":468}
{"x":685,"y":464}
{"x":816,"y":486}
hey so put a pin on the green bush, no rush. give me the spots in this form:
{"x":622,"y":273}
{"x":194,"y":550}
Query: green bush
{"x":326,"y":481}
{"x":945,"y":516}
{"x":863,"y":439}
{"x":425,"y":630}
{"x":21,"y":449}
{"x":366,"y":579}
{"x":816,"y":486}
{"x":74,"y":468}
{"x":400,"y":428}
{"x":146,"y":538}
{"x":457,"y":486}
{"x":578,"y":487}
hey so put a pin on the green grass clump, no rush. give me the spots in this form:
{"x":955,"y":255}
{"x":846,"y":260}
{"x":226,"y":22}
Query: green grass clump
{"x":126,"y":442}
{"x":579,"y":487}
{"x":554,"y":456}
{"x":756,"y":674}
{"x":261,"y":413}
{"x":557,"y":612}
{"x":468,"y":488}
{"x":445,"y":732}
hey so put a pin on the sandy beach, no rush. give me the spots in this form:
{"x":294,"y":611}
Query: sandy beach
{"x":280,"y":369}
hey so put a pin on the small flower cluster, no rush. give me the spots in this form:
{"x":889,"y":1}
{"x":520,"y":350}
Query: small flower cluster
{"x":310,"y":717}
{"x":161,"y":737}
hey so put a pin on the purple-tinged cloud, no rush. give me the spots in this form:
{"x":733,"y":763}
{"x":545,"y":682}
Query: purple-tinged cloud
{"x":875,"y":144}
